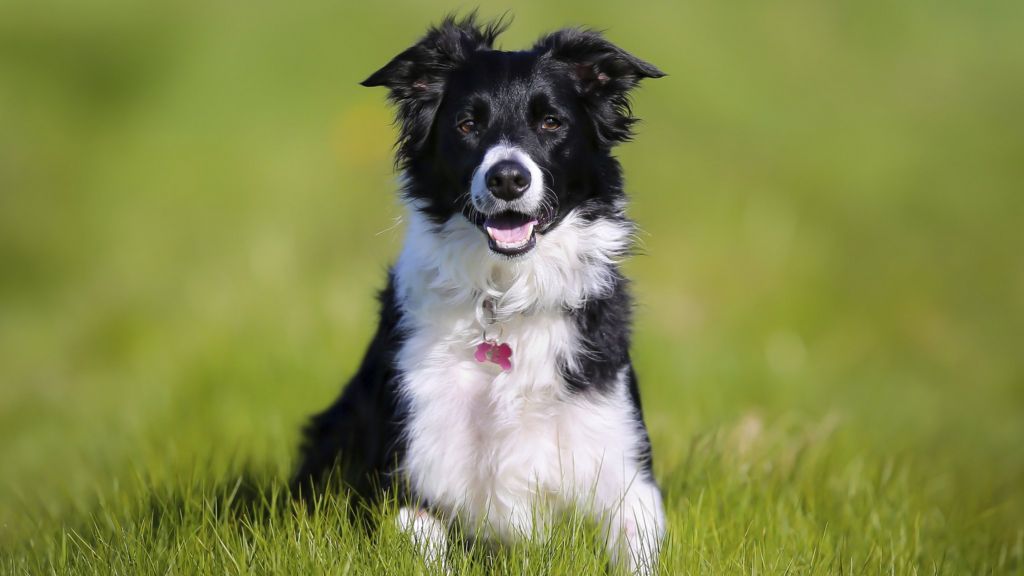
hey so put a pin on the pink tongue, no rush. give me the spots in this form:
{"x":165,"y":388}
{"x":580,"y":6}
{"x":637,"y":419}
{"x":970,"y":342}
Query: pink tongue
{"x":513,"y":235}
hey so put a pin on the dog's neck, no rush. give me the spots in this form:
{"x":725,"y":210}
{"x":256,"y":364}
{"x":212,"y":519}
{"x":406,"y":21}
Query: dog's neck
{"x":451,"y":265}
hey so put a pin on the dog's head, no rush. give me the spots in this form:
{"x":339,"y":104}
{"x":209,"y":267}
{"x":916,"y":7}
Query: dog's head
{"x":512,"y":141}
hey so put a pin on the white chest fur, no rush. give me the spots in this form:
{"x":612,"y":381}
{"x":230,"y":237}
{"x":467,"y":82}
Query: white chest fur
{"x":493,"y":447}
{"x":488,"y":445}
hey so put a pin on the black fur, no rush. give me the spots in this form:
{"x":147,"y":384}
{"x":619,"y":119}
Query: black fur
{"x":451,"y":74}
{"x":604,"y":324}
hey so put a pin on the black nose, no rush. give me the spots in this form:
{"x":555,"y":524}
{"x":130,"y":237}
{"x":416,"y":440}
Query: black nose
{"x":507,"y":179}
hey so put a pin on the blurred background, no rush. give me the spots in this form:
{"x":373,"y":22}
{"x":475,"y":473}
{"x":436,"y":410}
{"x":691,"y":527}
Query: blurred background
{"x":197,"y":205}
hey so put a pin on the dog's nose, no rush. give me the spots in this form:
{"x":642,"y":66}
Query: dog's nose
{"x":507,"y":180}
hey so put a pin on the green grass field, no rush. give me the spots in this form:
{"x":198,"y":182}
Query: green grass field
{"x":196,"y":207}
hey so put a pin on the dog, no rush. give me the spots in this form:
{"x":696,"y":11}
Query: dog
{"x":498,"y":390}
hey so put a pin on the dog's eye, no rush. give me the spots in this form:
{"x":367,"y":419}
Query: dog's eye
{"x":467,"y":126}
{"x":550,"y":123}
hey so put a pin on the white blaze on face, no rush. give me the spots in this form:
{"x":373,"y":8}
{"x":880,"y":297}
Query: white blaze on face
{"x":529,"y":203}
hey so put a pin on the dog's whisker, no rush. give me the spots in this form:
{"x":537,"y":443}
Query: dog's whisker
{"x":395,"y":224}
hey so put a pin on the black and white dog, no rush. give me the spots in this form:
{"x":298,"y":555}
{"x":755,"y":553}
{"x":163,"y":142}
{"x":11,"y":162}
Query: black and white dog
{"x":498,"y":389}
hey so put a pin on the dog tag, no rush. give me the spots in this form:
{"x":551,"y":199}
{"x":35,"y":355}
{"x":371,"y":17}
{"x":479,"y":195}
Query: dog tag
{"x":500,"y":354}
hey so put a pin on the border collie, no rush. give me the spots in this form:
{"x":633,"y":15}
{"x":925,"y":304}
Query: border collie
{"x":498,"y":390}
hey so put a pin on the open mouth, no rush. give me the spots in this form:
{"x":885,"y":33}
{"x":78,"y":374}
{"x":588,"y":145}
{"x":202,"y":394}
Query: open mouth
{"x":511,"y":233}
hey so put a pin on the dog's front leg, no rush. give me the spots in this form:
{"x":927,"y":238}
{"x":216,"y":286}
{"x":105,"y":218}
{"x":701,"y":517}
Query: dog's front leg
{"x":635,"y":528}
{"x":428,"y":534}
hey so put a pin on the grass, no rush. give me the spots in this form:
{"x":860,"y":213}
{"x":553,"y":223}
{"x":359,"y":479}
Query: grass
{"x":195,"y":209}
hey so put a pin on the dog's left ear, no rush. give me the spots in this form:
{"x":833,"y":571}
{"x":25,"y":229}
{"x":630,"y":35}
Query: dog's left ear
{"x":604,"y":75}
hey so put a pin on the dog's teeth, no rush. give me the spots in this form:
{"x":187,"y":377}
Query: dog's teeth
{"x":513,"y":245}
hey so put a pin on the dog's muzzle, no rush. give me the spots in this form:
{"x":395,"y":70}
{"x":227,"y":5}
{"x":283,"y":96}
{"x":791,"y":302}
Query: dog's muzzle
{"x":508,"y":190}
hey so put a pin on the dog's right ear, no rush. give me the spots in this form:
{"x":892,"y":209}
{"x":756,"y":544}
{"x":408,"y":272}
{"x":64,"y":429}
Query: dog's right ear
{"x":420,"y":70}
{"x":416,"y":78}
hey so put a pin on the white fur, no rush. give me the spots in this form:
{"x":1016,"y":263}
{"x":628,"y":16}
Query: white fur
{"x":428,"y":535}
{"x":531,"y":200}
{"x":503,"y":451}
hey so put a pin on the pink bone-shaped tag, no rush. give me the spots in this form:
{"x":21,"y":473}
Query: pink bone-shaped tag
{"x":500,"y":354}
